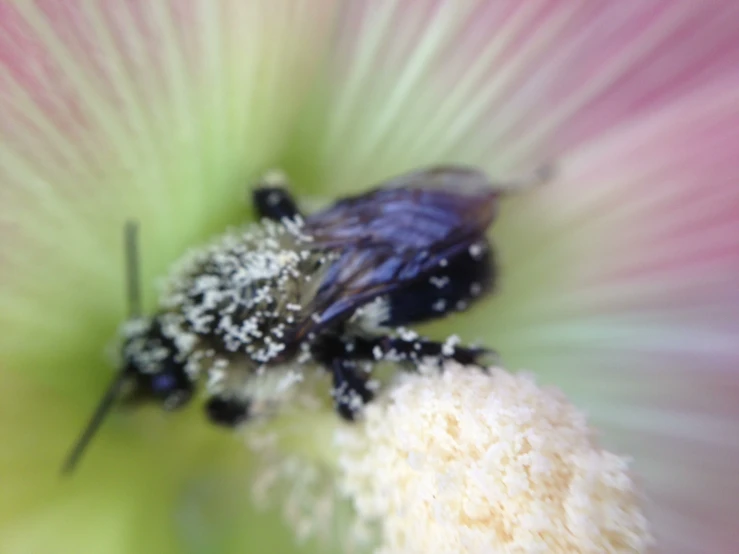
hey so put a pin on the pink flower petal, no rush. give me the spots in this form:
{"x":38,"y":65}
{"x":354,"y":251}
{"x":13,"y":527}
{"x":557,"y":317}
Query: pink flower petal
{"x":636,"y":308}
{"x":619,"y":279}
{"x":506,"y":84}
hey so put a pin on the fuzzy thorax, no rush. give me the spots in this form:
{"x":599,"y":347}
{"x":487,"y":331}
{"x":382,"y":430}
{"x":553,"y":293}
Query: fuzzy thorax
{"x":225,"y":310}
{"x":242,"y":292}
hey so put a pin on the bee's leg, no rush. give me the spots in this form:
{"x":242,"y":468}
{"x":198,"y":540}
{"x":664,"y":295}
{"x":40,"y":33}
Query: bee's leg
{"x":417,"y":348}
{"x":227,"y":412}
{"x":350,"y":391}
{"x":272,"y":199}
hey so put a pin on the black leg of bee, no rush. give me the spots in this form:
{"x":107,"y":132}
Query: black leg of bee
{"x":272,"y":200}
{"x":227,"y":412}
{"x":350,"y":390}
{"x":414,"y":350}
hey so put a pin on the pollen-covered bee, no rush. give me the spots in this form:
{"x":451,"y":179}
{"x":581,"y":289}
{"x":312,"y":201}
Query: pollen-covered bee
{"x":248,"y":312}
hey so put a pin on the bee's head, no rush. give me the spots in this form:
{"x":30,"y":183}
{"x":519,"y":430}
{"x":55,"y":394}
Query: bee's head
{"x":151,"y":370}
{"x":153,"y":367}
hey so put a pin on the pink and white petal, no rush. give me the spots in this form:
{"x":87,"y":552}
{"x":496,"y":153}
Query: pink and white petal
{"x":611,"y":283}
{"x":501,"y":84}
{"x":626,"y":294}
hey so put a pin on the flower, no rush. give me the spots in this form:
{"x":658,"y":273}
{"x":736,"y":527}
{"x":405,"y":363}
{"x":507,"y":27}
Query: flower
{"x":462,"y":460}
{"x":473,"y":462}
{"x":618,"y":282}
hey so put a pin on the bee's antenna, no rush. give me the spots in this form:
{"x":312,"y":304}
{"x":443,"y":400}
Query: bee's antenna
{"x":133,"y":279}
{"x":94,"y":424}
{"x":133,"y":291}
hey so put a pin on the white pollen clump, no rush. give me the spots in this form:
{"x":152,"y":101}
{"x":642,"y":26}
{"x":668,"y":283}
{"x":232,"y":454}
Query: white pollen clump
{"x":486,"y":463}
{"x":237,"y":293}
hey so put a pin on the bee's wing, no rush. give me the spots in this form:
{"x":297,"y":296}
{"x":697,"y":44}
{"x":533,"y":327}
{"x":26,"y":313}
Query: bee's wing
{"x":393,"y":235}
{"x":414,"y":211}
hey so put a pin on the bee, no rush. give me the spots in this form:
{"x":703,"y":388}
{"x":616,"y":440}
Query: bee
{"x":333,"y":289}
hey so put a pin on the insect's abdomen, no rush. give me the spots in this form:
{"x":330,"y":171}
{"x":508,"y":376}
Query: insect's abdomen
{"x":452,"y":287}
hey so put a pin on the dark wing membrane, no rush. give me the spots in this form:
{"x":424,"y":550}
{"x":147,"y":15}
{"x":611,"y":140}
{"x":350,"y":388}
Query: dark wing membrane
{"x":414,"y":211}
{"x":394,"y":235}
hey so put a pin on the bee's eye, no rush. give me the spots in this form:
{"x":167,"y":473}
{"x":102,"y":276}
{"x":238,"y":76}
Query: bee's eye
{"x":171,"y":386}
{"x":163,"y":383}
